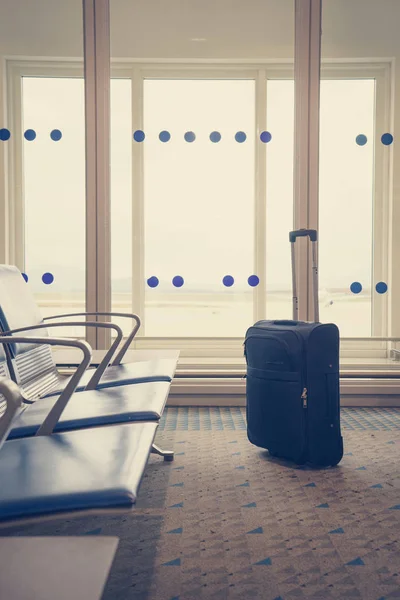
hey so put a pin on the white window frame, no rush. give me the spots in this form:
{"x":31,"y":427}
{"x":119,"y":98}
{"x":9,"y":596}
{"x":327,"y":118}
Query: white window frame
{"x":381,"y":70}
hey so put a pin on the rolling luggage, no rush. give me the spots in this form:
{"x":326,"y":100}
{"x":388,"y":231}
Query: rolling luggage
{"x":292,"y":382}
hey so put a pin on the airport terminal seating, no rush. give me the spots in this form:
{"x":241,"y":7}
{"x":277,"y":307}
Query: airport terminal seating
{"x":73,"y":472}
{"x":32,"y":366}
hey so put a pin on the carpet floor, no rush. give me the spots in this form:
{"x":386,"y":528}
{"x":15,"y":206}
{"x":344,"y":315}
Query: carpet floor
{"x":225,"y":520}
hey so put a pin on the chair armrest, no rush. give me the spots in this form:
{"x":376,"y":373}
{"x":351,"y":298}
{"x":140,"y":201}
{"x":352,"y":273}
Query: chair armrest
{"x":98,"y":372}
{"x":129,"y":339}
{"x":13,"y":397}
{"x":54,"y":414}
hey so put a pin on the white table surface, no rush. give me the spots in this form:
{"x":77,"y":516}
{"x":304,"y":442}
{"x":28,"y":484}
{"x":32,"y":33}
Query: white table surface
{"x":55,"y":568}
{"x":72,"y":356}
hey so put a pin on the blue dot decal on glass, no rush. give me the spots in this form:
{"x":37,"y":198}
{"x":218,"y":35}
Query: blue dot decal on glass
{"x":253,"y":280}
{"x":139,"y":135}
{"x":164,"y":136}
{"x":240,"y":137}
{"x":361,"y":139}
{"x":25,"y":276}
{"x":47,"y":278}
{"x":215,"y":137}
{"x":381,"y":287}
{"x":4,"y":134}
{"x":189,"y":136}
{"x":30,"y":135}
{"x":228,"y":281}
{"x":356,"y":287}
{"x":265,"y":137}
{"x":387,"y":139}
{"x":56,"y":135}
{"x":153,"y":282}
{"x":178,"y":281}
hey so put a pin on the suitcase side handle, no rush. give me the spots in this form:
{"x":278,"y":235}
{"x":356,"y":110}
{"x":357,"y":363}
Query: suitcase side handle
{"x":285,"y":322}
{"x":311,"y":233}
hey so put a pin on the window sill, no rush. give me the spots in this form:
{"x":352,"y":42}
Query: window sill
{"x":189,"y":367}
{"x":209,"y":391}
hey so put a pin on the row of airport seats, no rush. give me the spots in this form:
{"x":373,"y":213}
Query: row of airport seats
{"x":76,"y":443}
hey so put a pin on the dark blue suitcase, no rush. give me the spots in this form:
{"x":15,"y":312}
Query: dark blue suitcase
{"x":292,"y":383}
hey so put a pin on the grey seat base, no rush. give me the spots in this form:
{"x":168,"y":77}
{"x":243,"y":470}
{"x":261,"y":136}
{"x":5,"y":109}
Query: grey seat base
{"x":141,"y":402}
{"x":72,"y":471}
{"x":161,"y":369}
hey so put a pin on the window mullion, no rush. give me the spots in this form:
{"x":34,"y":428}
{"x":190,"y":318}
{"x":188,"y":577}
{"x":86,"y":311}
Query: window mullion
{"x":381,"y":207}
{"x":97,"y":134}
{"x":260,"y":216}
{"x":307,"y":66}
{"x":138,"y":238}
{"x":14,"y":252}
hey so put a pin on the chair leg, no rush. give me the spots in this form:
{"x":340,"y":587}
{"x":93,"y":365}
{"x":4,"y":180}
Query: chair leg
{"x":167,"y":454}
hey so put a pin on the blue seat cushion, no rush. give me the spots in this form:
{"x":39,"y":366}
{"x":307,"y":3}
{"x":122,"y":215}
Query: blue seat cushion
{"x":78,"y":470}
{"x":160,"y":369}
{"x":141,"y":402}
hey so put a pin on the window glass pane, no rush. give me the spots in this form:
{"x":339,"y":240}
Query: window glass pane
{"x":359,"y":168}
{"x":346,"y":204}
{"x":193,"y":216}
{"x":54,"y":192}
{"x":42,"y":145}
{"x":199,"y":206}
{"x":121,"y":198}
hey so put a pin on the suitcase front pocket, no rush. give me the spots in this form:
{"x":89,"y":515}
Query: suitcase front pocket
{"x":275,"y":417}
{"x":268,"y":352}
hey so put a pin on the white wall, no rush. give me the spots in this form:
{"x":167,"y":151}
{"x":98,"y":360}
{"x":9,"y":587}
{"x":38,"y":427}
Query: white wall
{"x":41,"y":28}
{"x":232,"y":28}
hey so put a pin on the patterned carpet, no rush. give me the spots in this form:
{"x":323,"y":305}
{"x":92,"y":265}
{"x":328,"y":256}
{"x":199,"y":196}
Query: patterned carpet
{"x":225,"y":520}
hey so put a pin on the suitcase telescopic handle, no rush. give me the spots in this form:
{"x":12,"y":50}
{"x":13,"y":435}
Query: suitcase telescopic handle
{"x":311,"y":233}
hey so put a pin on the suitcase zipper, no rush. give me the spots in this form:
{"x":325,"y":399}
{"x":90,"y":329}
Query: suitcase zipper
{"x":304,"y":397}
